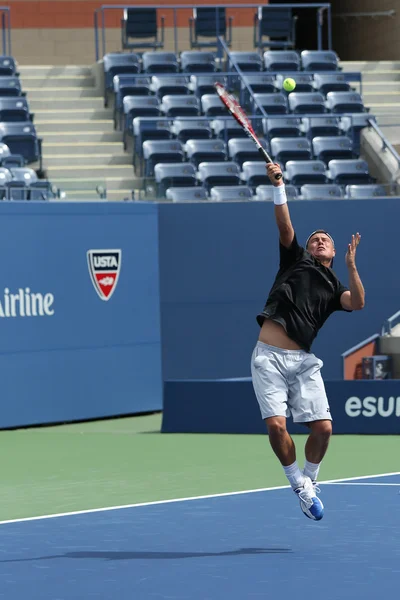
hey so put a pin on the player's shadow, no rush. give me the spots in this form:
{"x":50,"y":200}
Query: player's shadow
{"x":153,"y":555}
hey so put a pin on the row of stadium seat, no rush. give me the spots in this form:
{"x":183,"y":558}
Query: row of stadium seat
{"x":23,"y":184}
{"x":253,"y":174}
{"x":265,"y":192}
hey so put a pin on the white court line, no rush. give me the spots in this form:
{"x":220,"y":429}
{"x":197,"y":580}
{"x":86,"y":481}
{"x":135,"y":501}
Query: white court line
{"x":361,"y":483}
{"x":109,"y":508}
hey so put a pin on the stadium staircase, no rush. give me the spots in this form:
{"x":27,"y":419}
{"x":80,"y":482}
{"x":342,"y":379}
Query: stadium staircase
{"x":81,"y":150}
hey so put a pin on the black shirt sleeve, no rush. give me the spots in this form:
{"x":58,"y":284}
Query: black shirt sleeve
{"x":336,"y":302}
{"x":288,"y":256}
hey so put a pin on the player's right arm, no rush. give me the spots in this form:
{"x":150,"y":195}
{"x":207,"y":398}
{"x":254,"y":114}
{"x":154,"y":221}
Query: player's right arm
{"x":282,"y":215}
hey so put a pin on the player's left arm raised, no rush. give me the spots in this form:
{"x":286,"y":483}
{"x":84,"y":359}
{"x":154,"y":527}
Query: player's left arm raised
{"x":355,"y":298}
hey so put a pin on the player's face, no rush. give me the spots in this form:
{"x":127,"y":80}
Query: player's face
{"x":321,"y":246}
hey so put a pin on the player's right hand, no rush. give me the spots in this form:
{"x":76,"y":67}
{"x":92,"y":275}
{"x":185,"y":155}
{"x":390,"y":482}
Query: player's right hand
{"x":272,"y":170}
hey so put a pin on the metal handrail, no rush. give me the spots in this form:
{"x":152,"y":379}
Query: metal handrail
{"x":388,"y":323}
{"x":6,"y":29}
{"x":175,"y":7}
{"x":372,"y":14}
{"x":386,"y":145}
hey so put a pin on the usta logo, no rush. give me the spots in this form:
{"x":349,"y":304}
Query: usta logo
{"x":371,"y":406}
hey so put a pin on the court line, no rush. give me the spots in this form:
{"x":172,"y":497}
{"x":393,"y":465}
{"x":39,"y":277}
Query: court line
{"x":361,"y":483}
{"x":174,"y":500}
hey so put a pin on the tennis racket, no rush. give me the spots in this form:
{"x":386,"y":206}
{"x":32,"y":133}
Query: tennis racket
{"x":238,"y":113}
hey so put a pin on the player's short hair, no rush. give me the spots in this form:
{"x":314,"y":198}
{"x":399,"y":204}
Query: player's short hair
{"x":320,"y":231}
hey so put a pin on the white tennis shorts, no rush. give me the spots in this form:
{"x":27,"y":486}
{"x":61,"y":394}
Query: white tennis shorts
{"x":289,"y":382}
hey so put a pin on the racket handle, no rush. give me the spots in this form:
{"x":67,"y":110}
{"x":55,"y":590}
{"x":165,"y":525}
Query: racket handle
{"x":268,"y":159}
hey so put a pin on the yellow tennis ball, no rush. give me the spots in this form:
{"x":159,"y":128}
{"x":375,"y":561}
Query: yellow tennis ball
{"x":289,"y":84}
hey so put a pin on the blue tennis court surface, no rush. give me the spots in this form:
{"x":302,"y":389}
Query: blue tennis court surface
{"x":251,"y":545}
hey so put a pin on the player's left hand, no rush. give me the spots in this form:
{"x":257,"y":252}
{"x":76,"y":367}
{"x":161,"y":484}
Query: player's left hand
{"x":351,"y":250}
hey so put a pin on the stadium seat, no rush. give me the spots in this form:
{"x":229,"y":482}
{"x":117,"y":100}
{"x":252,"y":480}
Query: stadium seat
{"x":300,"y":172}
{"x":365,"y":191}
{"x":282,"y":127}
{"x":21,"y":139}
{"x":319,"y":60}
{"x":141,"y":24}
{"x":205,"y":84}
{"x":344,"y":102}
{"x":304,"y":82}
{"x":186,"y":194}
{"x":211,"y":106}
{"x":346,"y":172}
{"x":266,"y":192}
{"x":306,"y":103}
{"x":209,"y":23}
{"x":281,"y":60}
{"x":273,"y":104}
{"x":161,"y":151}
{"x":287,"y":148}
{"x":241,"y":150}
{"x":246,"y":61}
{"x":254,"y":173}
{"x":199,"y":151}
{"x":14,"y":109}
{"x":353,"y":124}
{"x":187,"y":129}
{"x":274,"y":26}
{"x":260,"y":83}
{"x":312,"y":191}
{"x":169,"y":175}
{"x":12,"y":161}
{"x":25,"y":175}
{"x":230,"y":193}
{"x":227,"y":128}
{"x":8,"y":66}
{"x":218,"y":173}
{"x":41,"y":190}
{"x":117,"y":63}
{"x":128,"y":85}
{"x":149,"y":130}
{"x":160,"y":62}
{"x":10,"y":86}
{"x":138,"y":106}
{"x":180,"y":106}
{"x":5,"y":176}
{"x":193,"y":61}
{"x":328,"y":148}
{"x":16,"y":190}
{"x":331,"y":82}
{"x":321,"y":126}
{"x":167,"y":85}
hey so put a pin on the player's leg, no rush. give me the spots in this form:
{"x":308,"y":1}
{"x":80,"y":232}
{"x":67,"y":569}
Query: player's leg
{"x":271,"y":390}
{"x":316,"y":446}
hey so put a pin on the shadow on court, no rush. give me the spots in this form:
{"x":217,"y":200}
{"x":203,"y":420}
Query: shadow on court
{"x":152,"y":555}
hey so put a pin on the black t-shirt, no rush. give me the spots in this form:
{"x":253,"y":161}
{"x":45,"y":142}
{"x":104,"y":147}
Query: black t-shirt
{"x":304,"y":294}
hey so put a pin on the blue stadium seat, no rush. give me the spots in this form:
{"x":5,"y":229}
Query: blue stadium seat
{"x":304,"y":82}
{"x":265,"y":192}
{"x":241,"y":150}
{"x":286,"y":148}
{"x":319,"y":60}
{"x":8,"y":67}
{"x":228,"y":128}
{"x":180,"y":106}
{"x":10,"y":86}
{"x":307,"y":103}
{"x":14,"y":109}
{"x":254,"y":173}
{"x":281,"y":60}
{"x":261,"y":83}
{"x":169,"y":175}
{"x":167,"y":85}
{"x":21,"y":139}
{"x":117,"y":63}
{"x":149,"y":130}
{"x":5,"y":176}
{"x":282,"y":127}
{"x":161,"y":151}
{"x":331,"y":82}
{"x":138,"y":106}
{"x":141,"y":24}
{"x":199,"y":151}
{"x":321,"y":125}
{"x":352,"y":124}
{"x":300,"y":172}
{"x":186,"y":194}
{"x":160,"y":62}
{"x":230,"y":193}
{"x":273,"y":104}
{"x":25,"y":175}
{"x":218,"y":173}
{"x":312,"y":191}
{"x":211,"y":106}
{"x":187,"y":129}
{"x":41,"y":190}
{"x":365,"y":191}
{"x":193,"y":61}
{"x":246,"y":61}
{"x":207,"y":24}
{"x":12,"y":161}
{"x":328,"y":148}
{"x":344,"y":102}
{"x":346,"y":172}
{"x":274,"y":27}
{"x":205,"y":84}
{"x":128,"y":85}
{"x":17,"y":190}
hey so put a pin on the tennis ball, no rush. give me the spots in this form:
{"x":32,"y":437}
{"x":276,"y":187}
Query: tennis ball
{"x":289,"y":84}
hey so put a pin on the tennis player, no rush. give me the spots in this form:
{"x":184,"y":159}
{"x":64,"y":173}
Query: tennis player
{"x":286,"y":375}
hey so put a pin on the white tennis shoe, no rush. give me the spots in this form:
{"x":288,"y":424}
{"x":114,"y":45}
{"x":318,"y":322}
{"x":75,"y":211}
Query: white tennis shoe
{"x":310,"y":504}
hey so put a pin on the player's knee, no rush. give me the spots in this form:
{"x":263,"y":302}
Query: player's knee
{"x":276,"y":427}
{"x":322,"y":429}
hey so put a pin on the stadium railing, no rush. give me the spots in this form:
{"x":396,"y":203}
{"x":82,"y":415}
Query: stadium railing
{"x":5,"y":13}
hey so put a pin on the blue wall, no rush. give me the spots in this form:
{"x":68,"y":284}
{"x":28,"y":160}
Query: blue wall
{"x":91,"y":358}
{"x":218,"y":261}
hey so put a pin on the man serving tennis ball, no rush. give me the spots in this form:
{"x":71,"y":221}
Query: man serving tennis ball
{"x":286,"y":375}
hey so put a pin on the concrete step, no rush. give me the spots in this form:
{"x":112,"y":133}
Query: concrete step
{"x":61,"y":103}
{"x":371,"y":98}
{"x":66,"y":114}
{"x":54,"y":70}
{"x":87,"y":136}
{"x":36,"y":92}
{"x":380,"y":77}
{"x":86,"y":160}
{"x":97,"y":172}
{"x":76,"y":125}
{"x":381,"y":87}
{"x":364,"y":66}
{"x":86,"y":148}
{"x":59,"y":81}
{"x":90,"y":183}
